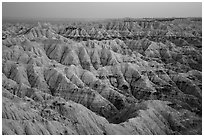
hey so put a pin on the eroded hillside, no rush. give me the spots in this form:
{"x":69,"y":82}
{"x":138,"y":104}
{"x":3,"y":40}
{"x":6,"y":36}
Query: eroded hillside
{"x":112,"y":77}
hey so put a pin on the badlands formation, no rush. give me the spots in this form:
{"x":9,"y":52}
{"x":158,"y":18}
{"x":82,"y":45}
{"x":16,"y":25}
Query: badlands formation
{"x":126,"y":76}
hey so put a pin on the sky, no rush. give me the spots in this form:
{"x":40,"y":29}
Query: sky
{"x":100,"y":10}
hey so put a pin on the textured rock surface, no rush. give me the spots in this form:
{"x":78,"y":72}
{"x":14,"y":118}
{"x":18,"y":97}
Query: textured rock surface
{"x":116,"y":77}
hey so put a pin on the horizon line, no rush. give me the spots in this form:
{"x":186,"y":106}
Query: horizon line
{"x":97,"y":17}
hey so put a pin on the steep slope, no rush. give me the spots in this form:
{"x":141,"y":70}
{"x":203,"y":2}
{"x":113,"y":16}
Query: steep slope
{"x":75,"y":80}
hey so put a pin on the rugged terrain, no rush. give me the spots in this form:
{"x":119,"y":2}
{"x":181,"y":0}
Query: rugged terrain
{"x":126,"y":76}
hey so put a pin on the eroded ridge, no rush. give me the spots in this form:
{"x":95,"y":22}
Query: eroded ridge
{"x":114,"y":77}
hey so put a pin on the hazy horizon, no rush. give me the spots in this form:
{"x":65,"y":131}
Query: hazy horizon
{"x":99,"y":10}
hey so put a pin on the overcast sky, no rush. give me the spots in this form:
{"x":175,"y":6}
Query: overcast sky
{"x":101,"y":10}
